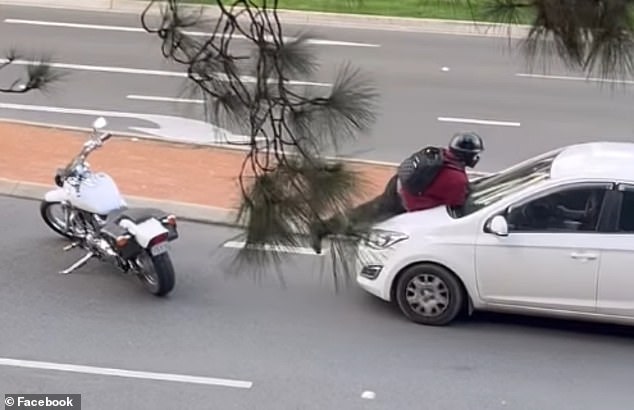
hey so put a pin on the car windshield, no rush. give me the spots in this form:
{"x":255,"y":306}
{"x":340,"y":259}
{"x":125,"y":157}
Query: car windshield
{"x":490,"y":189}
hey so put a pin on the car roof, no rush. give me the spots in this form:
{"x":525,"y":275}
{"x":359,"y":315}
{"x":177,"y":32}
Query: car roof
{"x":604,"y":160}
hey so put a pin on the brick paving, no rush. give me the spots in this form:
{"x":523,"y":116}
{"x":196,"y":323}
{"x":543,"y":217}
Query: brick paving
{"x":151,"y":169}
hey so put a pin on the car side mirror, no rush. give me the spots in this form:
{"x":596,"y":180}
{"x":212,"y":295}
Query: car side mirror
{"x":498,"y":226}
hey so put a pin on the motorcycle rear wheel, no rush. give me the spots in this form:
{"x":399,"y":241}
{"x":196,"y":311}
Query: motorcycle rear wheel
{"x":157,"y":273}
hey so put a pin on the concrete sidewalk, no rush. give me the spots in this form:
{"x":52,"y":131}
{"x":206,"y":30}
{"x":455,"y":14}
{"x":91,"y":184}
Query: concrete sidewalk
{"x":194,"y":182}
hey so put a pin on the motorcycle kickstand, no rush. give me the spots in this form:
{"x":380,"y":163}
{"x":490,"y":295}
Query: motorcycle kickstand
{"x":81,"y":262}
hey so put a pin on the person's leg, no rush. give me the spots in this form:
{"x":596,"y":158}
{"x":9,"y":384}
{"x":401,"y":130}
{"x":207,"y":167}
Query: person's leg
{"x":376,"y":210}
{"x":379,"y":209}
{"x":342,"y":223}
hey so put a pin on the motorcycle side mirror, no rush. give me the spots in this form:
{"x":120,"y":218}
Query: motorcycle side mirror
{"x":99,"y":123}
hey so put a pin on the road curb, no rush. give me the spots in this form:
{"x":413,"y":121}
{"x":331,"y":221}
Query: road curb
{"x":341,"y":20}
{"x":182,"y":210}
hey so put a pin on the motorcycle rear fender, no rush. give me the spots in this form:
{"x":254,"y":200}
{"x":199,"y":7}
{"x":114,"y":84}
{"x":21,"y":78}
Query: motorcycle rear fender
{"x":56,"y":195}
{"x":142,"y":224}
{"x":144,"y":232}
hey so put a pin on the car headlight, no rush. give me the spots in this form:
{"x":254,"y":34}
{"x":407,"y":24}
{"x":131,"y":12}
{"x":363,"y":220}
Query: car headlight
{"x":381,"y":239}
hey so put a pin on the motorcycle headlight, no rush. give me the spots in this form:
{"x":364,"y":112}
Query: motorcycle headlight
{"x":381,"y":239}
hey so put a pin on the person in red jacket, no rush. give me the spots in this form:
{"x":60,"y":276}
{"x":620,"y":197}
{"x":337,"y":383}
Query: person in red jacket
{"x":449,"y":187}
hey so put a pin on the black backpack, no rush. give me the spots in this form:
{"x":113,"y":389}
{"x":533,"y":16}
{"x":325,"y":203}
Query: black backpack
{"x":418,"y":171}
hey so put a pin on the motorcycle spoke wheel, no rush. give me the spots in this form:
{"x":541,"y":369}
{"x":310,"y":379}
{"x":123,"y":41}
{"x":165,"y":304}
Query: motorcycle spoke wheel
{"x":53,"y":214}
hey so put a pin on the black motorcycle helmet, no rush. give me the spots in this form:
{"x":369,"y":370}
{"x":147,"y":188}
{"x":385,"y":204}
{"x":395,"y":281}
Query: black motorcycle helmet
{"x":467,"y":146}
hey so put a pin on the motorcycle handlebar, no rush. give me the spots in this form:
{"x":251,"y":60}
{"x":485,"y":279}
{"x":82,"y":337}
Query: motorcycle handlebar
{"x":105,"y":137}
{"x":88,"y":147}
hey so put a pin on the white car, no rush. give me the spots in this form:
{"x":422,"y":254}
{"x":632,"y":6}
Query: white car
{"x":553,"y":235}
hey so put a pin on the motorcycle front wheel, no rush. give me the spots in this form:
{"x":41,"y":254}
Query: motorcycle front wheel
{"x":57,"y":224}
{"x":157,"y":273}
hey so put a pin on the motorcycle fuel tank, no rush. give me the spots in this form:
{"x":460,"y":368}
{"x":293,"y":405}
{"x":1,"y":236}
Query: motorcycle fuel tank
{"x":98,"y":194}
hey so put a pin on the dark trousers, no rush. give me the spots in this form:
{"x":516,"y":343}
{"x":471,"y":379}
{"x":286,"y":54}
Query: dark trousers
{"x":378,"y":209}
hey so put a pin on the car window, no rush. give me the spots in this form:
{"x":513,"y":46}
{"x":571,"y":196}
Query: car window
{"x":573,"y":209}
{"x":626,"y":216}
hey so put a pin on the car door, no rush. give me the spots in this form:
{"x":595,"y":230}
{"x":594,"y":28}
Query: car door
{"x":615,"y":294}
{"x":549,"y":258}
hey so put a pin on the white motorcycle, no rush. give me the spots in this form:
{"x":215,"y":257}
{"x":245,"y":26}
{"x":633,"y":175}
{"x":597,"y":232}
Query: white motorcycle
{"x":95,"y":217}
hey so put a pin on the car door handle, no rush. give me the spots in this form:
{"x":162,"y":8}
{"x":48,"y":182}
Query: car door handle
{"x":583,"y":255}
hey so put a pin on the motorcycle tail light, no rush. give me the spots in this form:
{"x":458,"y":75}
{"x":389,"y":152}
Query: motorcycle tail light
{"x":158,"y":239}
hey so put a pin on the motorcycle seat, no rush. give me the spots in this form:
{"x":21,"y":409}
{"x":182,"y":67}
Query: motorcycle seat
{"x":136,"y":215}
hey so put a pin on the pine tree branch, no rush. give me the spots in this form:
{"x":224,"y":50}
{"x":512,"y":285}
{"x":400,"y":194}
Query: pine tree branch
{"x":285,"y":185}
{"x":39,"y":75}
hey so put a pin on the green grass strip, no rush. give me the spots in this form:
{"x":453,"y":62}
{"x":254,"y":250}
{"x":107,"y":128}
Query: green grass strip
{"x":434,"y":9}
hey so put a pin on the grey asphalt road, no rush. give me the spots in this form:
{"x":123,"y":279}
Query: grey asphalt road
{"x":481,"y":83}
{"x":302,"y":347}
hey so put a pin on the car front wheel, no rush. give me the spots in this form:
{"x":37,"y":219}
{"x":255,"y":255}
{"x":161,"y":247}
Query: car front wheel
{"x":429,"y":295}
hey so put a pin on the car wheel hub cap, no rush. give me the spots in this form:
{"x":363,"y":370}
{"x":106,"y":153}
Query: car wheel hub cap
{"x":427,"y":295}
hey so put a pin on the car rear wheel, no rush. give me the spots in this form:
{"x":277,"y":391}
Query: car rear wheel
{"x":429,"y":295}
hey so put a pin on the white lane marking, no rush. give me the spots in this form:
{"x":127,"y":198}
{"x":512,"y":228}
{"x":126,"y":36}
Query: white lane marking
{"x":368,"y":395}
{"x":85,"y":67}
{"x":104,"y":371}
{"x":191,"y":33}
{"x":475,"y":121}
{"x":163,"y":99}
{"x":572,"y":78}
{"x":285,"y":249}
{"x":195,"y":132}
{"x":143,"y":71}
{"x":62,"y":110}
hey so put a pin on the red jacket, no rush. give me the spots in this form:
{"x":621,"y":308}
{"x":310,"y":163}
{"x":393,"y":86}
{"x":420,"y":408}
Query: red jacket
{"x":450,"y":187}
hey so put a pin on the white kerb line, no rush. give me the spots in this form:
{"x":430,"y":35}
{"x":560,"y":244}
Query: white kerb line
{"x":191,"y":33}
{"x":104,"y":371}
{"x":143,"y":71}
{"x":476,"y":121}
{"x":81,"y":111}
